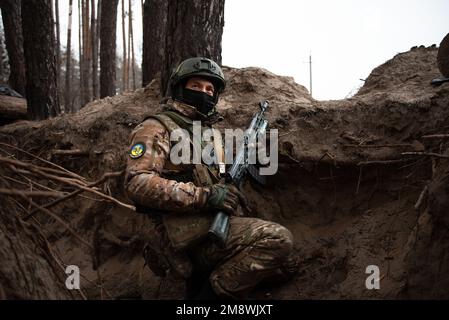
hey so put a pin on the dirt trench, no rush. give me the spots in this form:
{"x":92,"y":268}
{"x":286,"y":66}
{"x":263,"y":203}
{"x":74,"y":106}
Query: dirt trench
{"x":358,"y":184}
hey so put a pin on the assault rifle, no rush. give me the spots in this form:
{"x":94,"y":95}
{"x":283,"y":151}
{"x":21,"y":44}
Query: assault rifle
{"x":241,"y":166}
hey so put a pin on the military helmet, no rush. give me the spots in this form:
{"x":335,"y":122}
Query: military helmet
{"x":198,"y":67}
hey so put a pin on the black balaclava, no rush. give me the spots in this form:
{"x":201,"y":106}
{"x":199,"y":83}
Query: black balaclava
{"x":203,"y":102}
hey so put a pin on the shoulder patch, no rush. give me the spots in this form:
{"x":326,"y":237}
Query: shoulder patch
{"x":137,"y":150}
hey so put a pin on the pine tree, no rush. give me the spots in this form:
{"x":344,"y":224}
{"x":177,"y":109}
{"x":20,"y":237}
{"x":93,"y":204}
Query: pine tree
{"x":175,"y":30}
{"x":40,"y":59}
{"x":108,"y":47}
{"x":94,"y":46}
{"x":67,"y":96}
{"x":12,"y":21}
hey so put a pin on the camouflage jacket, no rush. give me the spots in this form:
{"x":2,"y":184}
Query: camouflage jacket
{"x":153,"y":181}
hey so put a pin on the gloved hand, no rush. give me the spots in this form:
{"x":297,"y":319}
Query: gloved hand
{"x":225,"y":197}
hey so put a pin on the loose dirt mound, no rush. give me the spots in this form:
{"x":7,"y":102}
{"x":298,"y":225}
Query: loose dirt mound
{"x":350,"y":176}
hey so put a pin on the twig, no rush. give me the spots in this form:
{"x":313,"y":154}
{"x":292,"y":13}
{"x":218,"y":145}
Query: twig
{"x":88,"y":189}
{"x":430,"y":154}
{"x":74,"y":193}
{"x":74,"y":152}
{"x":55,"y":256}
{"x":45,"y":161}
{"x":364,"y":163}
{"x":20,"y":205}
{"x":13,"y":180}
{"x":287,"y":133}
{"x":359,"y":180}
{"x":291,"y":158}
{"x":421,"y":197}
{"x":37,"y":169}
{"x":92,"y":199}
{"x":36,"y":172}
{"x":436,"y":136}
{"x":376,"y":145}
{"x":31,"y":181}
{"x":49,"y":170}
{"x":69,"y":181}
{"x":40,"y":185}
{"x":20,"y":193}
{"x":58,"y":219}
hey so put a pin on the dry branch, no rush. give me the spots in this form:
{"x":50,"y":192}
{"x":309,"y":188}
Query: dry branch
{"x":39,"y":170}
{"x":74,"y":193}
{"x":58,"y":219}
{"x":21,"y":193}
{"x":72,"y":182}
{"x":74,"y":152}
{"x":436,"y":136}
{"x":429,"y":154}
{"x":377,"y":146}
{"x":74,"y":175}
{"x":421,"y":198}
{"x":394,"y":161}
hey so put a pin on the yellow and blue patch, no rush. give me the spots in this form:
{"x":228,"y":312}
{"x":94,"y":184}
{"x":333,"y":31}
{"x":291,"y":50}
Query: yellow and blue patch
{"x":137,"y":150}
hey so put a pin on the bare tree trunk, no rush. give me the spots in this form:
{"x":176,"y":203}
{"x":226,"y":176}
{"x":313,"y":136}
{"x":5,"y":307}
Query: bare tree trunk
{"x":154,"y":29}
{"x":108,"y":47}
{"x":67,"y":95}
{"x":93,"y":25}
{"x":194,"y":28}
{"x":124,"y":67}
{"x":128,"y":55}
{"x":131,"y":45}
{"x":39,"y":49}
{"x":87,"y":53}
{"x":58,"y":40}
{"x":12,"y":21}
{"x":98,"y":40}
{"x":80,"y":51}
{"x":3,"y":55}
{"x":74,"y":90}
{"x":142,"y":10}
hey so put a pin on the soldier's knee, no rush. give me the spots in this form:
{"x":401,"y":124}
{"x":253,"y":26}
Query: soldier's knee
{"x":285,"y":235}
{"x":285,"y":241}
{"x":277,"y":238}
{"x":282,"y":251}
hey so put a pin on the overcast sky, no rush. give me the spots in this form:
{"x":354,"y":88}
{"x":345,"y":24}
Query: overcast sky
{"x":347,"y":38}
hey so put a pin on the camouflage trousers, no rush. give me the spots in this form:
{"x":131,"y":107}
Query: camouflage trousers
{"x":255,"y":251}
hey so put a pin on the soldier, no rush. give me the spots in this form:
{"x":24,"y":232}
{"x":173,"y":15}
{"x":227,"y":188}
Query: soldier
{"x":182,"y":199}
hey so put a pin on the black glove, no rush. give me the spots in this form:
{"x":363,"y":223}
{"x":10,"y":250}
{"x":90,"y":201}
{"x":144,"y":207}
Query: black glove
{"x":225,"y":197}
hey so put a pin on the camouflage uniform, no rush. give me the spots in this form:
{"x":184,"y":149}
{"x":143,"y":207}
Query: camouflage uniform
{"x":255,"y":250}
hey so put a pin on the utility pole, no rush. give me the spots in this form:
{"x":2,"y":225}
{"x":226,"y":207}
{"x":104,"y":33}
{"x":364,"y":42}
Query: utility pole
{"x":310,"y":72}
